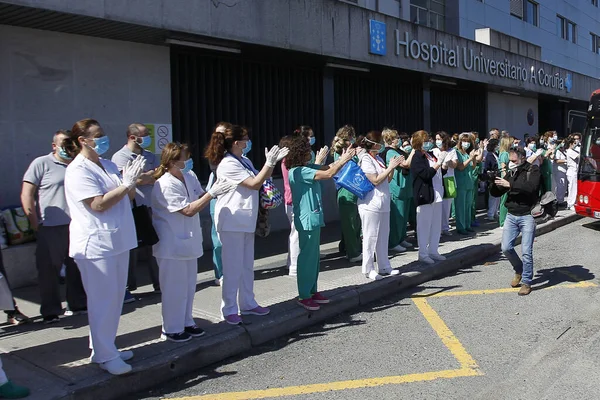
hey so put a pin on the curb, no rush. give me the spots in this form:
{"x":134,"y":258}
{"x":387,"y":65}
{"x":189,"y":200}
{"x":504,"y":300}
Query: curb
{"x":287,"y":318}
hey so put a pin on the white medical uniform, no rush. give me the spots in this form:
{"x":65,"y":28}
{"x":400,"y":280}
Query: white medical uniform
{"x":178,"y":248}
{"x":429,"y":218}
{"x":374,"y":211}
{"x":235,"y":217}
{"x":559,"y":174}
{"x":100,"y":244}
{"x":447,"y":203}
{"x":572,"y":166}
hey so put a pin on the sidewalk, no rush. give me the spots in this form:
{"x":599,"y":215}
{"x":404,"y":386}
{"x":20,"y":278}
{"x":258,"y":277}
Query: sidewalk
{"x":52,"y":359}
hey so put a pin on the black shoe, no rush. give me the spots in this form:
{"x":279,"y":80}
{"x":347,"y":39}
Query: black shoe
{"x":194,"y":331}
{"x":51,"y":319}
{"x":176,"y":337}
{"x":17,"y":318}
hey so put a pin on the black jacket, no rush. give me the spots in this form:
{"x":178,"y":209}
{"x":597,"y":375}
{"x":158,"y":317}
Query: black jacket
{"x":422,"y":175}
{"x":524,"y":189}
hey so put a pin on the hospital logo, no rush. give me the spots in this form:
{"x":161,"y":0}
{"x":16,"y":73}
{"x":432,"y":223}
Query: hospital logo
{"x":377,"y":37}
{"x":568,"y":83}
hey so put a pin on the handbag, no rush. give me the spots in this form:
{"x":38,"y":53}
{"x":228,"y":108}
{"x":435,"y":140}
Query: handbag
{"x":146,"y":234}
{"x":449,"y":187}
{"x":352,"y":178}
{"x":270,"y":196}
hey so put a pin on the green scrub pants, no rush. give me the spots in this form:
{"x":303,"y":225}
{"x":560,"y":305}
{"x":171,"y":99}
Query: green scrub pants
{"x":503,"y":210}
{"x":350,"y":224}
{"x":399,"y":211}
{"x":217,"y":246}
{"x":474,"y":204}
{"x":308,"y":262}
{"x":463,"y":205}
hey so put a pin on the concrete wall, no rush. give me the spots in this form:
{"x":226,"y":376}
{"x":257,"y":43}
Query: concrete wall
{"x":50,"y":80}
{"x":509,"y":112}
{"x":577,"y":57}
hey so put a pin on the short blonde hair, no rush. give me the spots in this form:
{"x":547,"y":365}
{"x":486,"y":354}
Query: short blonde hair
{"x":389,"y":135}
{"x":418,"y":138}
{"x":342,"y":139}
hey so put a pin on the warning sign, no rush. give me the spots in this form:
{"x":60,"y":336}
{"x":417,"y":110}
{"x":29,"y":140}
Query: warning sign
{"x":161,"y":134}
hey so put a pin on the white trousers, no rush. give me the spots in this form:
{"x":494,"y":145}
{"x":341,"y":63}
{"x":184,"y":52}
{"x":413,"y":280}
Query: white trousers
{"x":572,"y":195}
{"x":560,"y":179}
{"x":104,"y":281}
{"x":293,"y":242}
{"x":178,"y":287}
{"x":493,"y":206}
{"x":376,"y":233}
{"x":429,"y":228}
{"x":238,"y":272}
{"x":446,"y":208}
{"x":3,"y":377}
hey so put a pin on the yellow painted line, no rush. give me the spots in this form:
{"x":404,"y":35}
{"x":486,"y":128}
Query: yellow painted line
{"x":336,"y":386}
{"x":448,"y":338}
{"x":581,"y":284}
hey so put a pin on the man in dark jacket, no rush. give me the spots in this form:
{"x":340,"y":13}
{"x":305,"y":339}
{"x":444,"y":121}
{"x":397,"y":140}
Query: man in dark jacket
{"x":522,"y":184}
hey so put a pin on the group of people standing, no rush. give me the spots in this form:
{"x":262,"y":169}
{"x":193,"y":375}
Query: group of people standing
{"x":87,"y":222}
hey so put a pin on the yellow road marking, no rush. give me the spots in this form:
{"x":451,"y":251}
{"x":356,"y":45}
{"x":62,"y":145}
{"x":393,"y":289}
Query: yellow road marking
{"x":336,"y":386}
{"x":580,"y":284}
{"x":448,"y":338}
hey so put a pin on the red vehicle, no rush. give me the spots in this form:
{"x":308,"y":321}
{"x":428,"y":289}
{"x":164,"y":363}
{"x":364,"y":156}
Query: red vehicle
{"x":588,"y":177}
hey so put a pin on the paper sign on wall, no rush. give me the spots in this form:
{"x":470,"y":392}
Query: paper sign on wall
{"x":161,"y":134}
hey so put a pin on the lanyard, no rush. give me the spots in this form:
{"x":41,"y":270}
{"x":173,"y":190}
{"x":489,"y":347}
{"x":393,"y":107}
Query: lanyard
{"x":377,"y":161}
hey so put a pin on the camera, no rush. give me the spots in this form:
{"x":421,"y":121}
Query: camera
{"x":490,"y":176}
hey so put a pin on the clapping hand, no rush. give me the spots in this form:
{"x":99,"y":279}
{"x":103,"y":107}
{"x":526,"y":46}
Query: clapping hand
{"x":347,"y":155}
{"x":220,"y":187}
{"x":275,"y":155}
{"x":395,"y":162}
{"x":322,"y":156}
{"x":132,"y":171}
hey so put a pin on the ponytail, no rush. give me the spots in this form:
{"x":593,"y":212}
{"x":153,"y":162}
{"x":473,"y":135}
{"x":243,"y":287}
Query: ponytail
{"x":70,"y":147}
{"x":215,"y":151}
{"x":160,"y":171}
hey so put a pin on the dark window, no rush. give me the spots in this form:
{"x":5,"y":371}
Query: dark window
{"x":566,"y":29}
{"x":526,"y":10}
{"x":431,"y":13}
{"x":595,"y":43}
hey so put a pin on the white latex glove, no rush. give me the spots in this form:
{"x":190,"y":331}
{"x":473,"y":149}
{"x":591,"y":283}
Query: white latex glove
{"x":132,"y":171}
{"x":220,"y":187}
{"x":275,"y":155}
{"x":321,"y":156}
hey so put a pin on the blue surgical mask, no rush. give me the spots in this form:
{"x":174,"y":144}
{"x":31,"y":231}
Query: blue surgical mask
{"x":427,"y":146}
{"x":188,"y":165}
{"x":438,"y":144}
{"x":407,"y":149}
{"x":532,"y":147}
{"x":381,"y":149}
{"x":248,"y":147}
{"x":477,"y":141}
{"x":102,"y":145}
{"x":352,"y":141}
{"x":146,"y":142}
{"x":465,"y":145}
{"x":311,"y":140}
{"x":63,"y":154}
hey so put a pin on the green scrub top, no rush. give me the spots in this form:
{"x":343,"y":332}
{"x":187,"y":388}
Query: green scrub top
{"x":503,"y":159}
{"x":306,"y":197}
{"x":401,"y":185}
{"x":346,"y":194}
{"x":464,"y":178}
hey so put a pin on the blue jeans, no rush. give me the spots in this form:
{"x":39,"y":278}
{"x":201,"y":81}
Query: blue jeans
{"x":524,"y":225}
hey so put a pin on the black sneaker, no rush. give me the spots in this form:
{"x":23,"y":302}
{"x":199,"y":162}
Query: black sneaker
{"x":51,"y":319}
{"x":17,"y":318}
{"x":194,"y":331}
{"x":176,"y":337}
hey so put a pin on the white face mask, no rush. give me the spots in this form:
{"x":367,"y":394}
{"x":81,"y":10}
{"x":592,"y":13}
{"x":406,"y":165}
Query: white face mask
{"x":513,"y":165}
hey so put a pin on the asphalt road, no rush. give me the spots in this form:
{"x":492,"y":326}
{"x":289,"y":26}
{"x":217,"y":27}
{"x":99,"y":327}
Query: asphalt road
{"x":487,"y":342}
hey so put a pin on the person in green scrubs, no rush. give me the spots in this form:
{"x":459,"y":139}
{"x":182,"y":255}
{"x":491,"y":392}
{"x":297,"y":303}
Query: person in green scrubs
{"x":506,"y":143}
{"x":463,"y":173}
{"x":308,"y":214}
{"x":546,"y":168}
{"x":347,"y":202}
{"x":477,"y":170}
{"x":399,"y":205}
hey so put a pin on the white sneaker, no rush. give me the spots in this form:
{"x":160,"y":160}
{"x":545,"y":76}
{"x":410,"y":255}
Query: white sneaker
{"x":446,"y":233}
{"x":437,"y":257}
{"x":356,"y":259}
{"x":373,"y":275}
{"x":391,"y":272}
{"x":126,"y":355}
{"x":398,"y":249}
{"x":116,"y":367}
{"x":219,"y":282}
{"x":293,"y":271}
{"x":406,"y":244}
{"x":426,"y":260}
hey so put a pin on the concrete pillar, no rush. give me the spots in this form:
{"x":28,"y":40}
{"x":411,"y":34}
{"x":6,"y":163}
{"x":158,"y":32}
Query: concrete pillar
{"x":426,"y":104}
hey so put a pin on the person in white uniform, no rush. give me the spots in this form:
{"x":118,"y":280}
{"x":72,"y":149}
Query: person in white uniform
{"x":572,"y":165}
{"x":374,"y":209}
{"x":102,"y":233}
{"x":443,"y":143}
{"x":235,"y":217}
{"x":177,"y":198}
{"x":428,"y":192}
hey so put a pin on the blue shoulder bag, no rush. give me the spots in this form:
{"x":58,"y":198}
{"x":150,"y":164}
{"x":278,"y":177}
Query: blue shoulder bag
{"x":352,"y":178}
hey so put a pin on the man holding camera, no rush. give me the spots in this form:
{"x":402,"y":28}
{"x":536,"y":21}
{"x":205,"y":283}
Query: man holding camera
{"x":522,"y":182}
